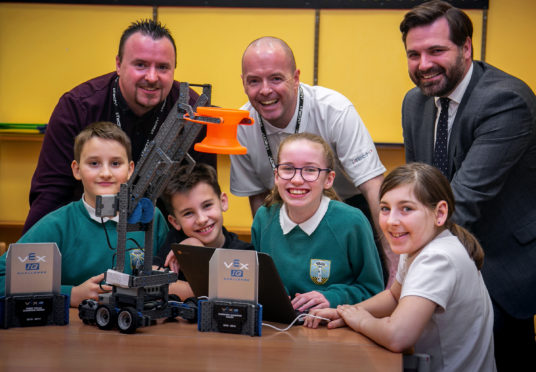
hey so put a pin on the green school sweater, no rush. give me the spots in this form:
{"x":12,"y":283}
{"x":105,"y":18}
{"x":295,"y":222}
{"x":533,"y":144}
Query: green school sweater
{"x":82,"y":243}
{"x":339,"y":259}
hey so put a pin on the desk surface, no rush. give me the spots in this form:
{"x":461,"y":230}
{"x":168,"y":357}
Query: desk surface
{"x":179,"y":346}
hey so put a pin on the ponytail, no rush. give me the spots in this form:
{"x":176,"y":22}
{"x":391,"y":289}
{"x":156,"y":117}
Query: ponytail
{"x":273,"y":198}
{"x":468,"y":240}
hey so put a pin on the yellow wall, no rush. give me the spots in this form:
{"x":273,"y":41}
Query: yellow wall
{"x":46,"y":49}
{"x":363,"y":57}
{"x":217,"y":38}
{"x":511,"y":30}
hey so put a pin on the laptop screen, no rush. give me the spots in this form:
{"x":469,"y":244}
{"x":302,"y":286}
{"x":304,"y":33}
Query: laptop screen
{"x":194,"y":263}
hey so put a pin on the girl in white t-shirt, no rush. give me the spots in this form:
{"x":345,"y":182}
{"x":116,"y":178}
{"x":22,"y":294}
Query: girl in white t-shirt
{"x":438,"y":303}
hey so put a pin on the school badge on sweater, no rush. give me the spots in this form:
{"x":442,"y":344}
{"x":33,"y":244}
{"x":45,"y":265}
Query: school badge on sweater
{"x":319,"y":270}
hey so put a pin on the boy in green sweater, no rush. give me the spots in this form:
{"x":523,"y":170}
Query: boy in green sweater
{"x":103,"y":161}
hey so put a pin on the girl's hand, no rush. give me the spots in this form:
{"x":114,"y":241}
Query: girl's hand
{"x":309,"y":300}
{"x":91,"y":288}
{"x":332,"y":314}
{"x":353,"y":316}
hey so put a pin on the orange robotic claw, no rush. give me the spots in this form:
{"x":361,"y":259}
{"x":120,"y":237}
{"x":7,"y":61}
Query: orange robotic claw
{"x":221,"y":137}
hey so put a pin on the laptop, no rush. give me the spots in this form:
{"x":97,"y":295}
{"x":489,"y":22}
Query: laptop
{"x":276,"y":305}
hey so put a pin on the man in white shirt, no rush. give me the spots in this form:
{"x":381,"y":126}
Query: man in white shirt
{"x":280,"y":105}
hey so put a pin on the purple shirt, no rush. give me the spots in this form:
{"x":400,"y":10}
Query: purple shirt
{"x":53,"y":184}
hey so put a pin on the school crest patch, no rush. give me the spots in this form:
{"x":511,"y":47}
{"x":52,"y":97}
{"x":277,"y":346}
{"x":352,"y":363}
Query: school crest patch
{"x":319,"y":270}
{"x":136,"y":259}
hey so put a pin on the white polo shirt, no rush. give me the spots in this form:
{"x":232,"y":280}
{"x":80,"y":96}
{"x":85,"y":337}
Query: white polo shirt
{"x":326,"y":113}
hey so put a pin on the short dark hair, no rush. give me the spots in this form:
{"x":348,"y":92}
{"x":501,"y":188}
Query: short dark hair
{"x":460,"y":24}
{"x":148,"y":27}
{"x":184,"y":179}
{"x":105,"y":130}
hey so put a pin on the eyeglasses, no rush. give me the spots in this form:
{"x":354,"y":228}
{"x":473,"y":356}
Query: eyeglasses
{"x":310,"y":174}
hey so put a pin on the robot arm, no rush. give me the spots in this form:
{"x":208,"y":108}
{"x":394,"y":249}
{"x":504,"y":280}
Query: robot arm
{"x":160,"y":158}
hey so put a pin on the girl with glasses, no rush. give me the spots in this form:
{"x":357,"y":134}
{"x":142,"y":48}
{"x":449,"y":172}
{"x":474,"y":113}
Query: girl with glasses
{"x":324,"y":249}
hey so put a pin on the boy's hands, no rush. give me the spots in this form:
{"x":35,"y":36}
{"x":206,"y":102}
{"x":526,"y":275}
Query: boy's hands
{"x":91,"y":288}
{"x":171,"y":260}
{"x":172,"y":263}
{"x":181,"y":289}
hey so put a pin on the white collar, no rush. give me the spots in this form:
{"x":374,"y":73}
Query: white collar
{"x":93,"y":216}
{"x":457,"y":94}
{"x":308,"y":226}
{"x":443,"y":234}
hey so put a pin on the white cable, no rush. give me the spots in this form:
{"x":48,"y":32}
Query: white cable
{"x":294,"y":321}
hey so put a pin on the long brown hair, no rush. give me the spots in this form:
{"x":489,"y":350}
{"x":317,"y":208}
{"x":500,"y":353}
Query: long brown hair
{"x":274,"y":197}
{"x":430,"y":187}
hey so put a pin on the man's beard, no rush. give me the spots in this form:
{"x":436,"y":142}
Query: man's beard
{"x":443,"y":87}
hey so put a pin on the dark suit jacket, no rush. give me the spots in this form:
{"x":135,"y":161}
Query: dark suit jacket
{"x":492,"y":169}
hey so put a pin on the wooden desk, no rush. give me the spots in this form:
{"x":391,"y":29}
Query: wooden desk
{"x":178,"y":346}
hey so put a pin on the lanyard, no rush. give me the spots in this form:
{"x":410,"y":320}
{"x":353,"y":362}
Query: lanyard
{"x":265,"y":136}
{"x":118,"y":116}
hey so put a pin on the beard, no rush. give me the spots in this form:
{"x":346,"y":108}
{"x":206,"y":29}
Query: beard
{"x":450,"y":78}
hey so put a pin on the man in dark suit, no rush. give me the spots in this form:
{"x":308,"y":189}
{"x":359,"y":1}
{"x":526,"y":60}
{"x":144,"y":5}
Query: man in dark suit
{"x":483,"y":138}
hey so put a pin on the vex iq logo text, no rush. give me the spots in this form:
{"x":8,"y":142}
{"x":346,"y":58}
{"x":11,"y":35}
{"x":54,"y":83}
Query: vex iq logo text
{"x":237,"y":268}
{"x":31,"y":261}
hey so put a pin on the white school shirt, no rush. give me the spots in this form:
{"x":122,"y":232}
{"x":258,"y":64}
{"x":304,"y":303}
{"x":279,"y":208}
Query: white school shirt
{"x":459,"y":337}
